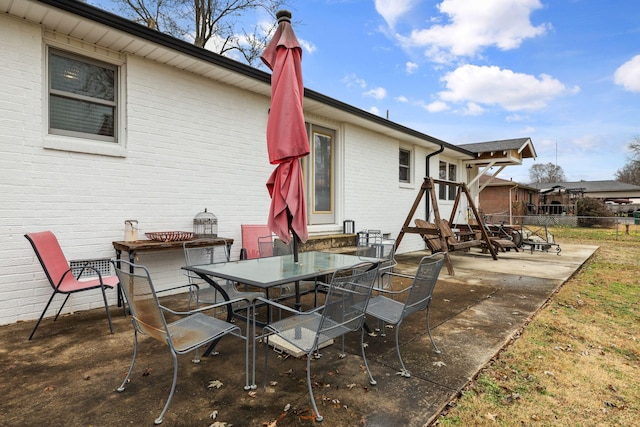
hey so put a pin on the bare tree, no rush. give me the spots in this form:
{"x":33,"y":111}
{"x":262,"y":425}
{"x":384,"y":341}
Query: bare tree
{"x":215,"y":24}
{"x":630,"y":172}
{"x":546,"y":173}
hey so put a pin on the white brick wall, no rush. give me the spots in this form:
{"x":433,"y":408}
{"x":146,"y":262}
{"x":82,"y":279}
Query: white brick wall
{"x":191,"y":143}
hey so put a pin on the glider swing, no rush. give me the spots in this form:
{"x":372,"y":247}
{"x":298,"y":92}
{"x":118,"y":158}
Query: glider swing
{"x":438,"y":235}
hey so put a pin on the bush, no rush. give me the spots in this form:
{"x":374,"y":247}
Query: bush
{"x":592,"y":213}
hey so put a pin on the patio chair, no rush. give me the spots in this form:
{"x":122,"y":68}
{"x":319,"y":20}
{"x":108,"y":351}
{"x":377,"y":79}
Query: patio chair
{"x":385,"y":250}
{"x":268,"y":247}
{"x":250,"y":235}
{"x":196,"y":254}
{"x":191,"y":331}
{"x":418,"y":297}
{"x":61,"y":278}
{"x":204,"y":293}
{"x":382,"y":249}
{"x":342,"y":312}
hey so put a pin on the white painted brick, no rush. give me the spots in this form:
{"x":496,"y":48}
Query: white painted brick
{"x":191,"y":143}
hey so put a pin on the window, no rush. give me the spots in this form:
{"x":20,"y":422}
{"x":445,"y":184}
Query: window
{"x":319,"y":175}
{"x":82,"y":97}
{"x":447,"y":172}
{"x":405,"y":166}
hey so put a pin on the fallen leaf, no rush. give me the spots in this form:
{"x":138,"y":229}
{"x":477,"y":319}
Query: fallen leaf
{"x":350,"y":386}
{"x":215,"y":384}
{"x":287,"y":407}
{"x":253,"y":394}
{"x":273,"y":383}
{"x":439,"y":363}
{"x":213,"y":415}
{"x":490,"y":416}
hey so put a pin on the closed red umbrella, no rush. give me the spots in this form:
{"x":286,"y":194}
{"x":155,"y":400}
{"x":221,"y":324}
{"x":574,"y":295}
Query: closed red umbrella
{"x":287,"y":138}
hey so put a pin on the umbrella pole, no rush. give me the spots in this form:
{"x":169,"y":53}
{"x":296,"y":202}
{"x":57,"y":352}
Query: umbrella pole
{"x":294,"y":236}
{"x":297,"y":304}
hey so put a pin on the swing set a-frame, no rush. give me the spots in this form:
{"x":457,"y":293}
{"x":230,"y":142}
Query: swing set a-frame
{"x":440,"y":230}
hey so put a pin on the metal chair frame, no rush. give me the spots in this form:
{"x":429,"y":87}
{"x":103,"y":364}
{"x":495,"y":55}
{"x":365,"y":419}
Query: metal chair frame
{"x":60,"y":276}
{"x":418,"y":298}
{"x":191,"y":331}
{"x":343,"y":312}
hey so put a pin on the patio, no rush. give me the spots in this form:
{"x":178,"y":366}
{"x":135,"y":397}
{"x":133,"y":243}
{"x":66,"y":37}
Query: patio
{"x":68,"y":373}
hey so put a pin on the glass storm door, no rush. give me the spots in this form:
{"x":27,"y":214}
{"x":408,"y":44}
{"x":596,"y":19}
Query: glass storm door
{"x":319,"y":176}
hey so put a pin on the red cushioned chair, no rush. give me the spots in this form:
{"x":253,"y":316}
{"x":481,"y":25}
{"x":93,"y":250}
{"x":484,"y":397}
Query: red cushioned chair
{"x":58,"y":272}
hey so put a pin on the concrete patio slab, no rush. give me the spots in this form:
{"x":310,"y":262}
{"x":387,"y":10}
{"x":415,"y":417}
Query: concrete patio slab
{"x":68,"y":374}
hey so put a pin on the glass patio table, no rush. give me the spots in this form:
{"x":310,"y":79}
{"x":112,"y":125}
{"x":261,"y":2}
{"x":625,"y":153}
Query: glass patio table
{"x":265,"y":273}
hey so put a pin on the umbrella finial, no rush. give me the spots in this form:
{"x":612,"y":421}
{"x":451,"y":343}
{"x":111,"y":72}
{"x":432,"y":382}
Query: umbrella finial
{"x":283,"y":16}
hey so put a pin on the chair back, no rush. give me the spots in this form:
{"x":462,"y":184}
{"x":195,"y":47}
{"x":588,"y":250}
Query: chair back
{"x":447,"y":232}
{"x":143,"y":301}
{"x":49,"y":253}
{"x":269,"y":247}
{"x":423,"y":284}
{"x":250,"y":235}
{"x":431,"y":239}
{"x":196,"y":254}
{"x":385,"y":251}
{"x":347,"y":299}
{"x":265,"y":246}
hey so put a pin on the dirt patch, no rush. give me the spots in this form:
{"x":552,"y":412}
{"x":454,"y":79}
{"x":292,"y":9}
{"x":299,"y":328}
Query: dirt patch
{"x":68,"y":374}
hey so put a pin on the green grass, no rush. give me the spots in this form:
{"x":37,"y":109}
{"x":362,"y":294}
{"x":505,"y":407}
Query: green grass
{"x":577,"y":361}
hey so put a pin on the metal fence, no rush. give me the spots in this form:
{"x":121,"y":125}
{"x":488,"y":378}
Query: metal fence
{"x":624,"y":224}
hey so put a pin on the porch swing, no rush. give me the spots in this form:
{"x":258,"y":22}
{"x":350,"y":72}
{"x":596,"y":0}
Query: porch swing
{"x":439,"y":236}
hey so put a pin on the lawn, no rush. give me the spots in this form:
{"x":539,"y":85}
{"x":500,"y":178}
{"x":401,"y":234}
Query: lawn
{"x":578,"y":361}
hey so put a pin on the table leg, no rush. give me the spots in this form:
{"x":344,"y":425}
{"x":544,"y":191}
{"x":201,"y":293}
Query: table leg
{"x":297,"y":304}
{"x":222,"y":292}
{"x":120,"y":299}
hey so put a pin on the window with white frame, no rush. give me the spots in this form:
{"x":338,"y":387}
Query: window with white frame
{"x":447,"y":172}
{"x":83,"y":98}
{"x":404,"y":166}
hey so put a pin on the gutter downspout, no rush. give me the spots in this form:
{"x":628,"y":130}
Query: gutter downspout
{"x":515,"y":187}
{"x":427,"y":200}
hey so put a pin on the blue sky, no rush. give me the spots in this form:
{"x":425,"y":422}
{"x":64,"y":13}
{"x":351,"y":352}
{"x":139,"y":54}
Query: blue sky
{"x":565,"y":73}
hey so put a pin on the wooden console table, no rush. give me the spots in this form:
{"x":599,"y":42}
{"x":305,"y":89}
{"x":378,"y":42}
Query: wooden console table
{"x":154,"y":245}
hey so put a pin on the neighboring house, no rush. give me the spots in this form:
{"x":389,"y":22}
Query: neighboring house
{"x":621,"y":197}
{"x":506,"y":199}
{"x":104,"y":120}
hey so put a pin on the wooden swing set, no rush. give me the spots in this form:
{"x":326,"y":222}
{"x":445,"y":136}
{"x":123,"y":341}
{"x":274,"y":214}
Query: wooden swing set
{"x":438,"y":235}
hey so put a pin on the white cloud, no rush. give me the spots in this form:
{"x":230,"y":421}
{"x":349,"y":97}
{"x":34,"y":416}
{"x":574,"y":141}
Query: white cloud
{"x":436,"y":107}
{"x":377,"y":93}
{"x":628,"y":75}
{"x":494,"y":86}
{"x":401,"y":99}
{"x":411,"y":67}
{"x":374,"y":110}
{"x":307,"y":46}
{"x":351,"y":80}
{"x":472,"y":109}
{"x":474,"y":25}
{"x":391,"y":10}
{"x":516,"y":118}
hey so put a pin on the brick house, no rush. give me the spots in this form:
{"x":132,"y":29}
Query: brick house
{"x":170,"y":129}
{"x":506,"y":200}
